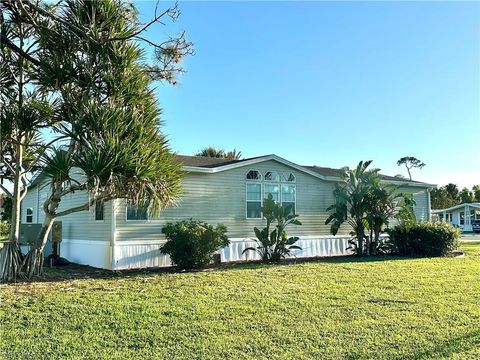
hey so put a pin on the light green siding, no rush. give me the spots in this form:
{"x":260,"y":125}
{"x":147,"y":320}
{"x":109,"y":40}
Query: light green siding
{"x":220,"y":198}
{"x":211,"y":197}
{"x":76,"y":226}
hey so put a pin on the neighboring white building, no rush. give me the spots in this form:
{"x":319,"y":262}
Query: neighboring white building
{"x":460,"y":216}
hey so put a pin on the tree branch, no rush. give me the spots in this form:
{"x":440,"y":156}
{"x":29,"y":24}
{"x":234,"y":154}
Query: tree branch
{"x":6,"y":191}
{"x":19,"y":51}
{"x":172,"y":12}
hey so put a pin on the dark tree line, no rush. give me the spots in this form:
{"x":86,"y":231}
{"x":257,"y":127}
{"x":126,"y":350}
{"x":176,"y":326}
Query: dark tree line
{"x":450,"y":195}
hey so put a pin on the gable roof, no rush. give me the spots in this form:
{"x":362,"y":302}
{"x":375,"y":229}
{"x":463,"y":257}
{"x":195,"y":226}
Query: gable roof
{"x":205,"y":164}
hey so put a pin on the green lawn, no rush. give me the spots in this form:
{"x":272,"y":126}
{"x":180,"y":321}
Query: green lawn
{"x":331,"y":309}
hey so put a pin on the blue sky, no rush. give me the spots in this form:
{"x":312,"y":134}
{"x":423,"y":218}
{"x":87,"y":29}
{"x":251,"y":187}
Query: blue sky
{"x":331,"y":83}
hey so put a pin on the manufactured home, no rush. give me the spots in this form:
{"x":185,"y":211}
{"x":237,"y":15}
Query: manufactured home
{"x":116,"y":236}
{"x":466,"y":216}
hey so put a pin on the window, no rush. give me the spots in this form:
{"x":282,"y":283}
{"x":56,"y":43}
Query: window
{"x":289,"y":196}
{"x":99,"y":211}
{"x":272,"y":176}
{"x":273,"y":189}
{"x":254,"y":200}
{"x":289,"y":177}
{"x":253,"y":175}
{"x":462,"y":218}
{"x":29,"y":215}
{"x":274,"y":183}
{"x":136,"y":212}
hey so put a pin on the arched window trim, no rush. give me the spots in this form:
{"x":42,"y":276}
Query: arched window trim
{"x":258,"y":172}
{"x":287,"y":177}
{"x":276,"y":177}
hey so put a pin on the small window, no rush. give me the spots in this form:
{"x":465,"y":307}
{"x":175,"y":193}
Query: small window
{"x":29,"y":215}
{"x":135,"y":212}
{"x":462,"y":218}
{"x":289,"y":177}
{"x":99,"y":211}
{"x":273,"y":189}
{"x":254,"y":201}
{"x":271,"y":176}
{"x":289,"y":197}
{"x":253,"y":175}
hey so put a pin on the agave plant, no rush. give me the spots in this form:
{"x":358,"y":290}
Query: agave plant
{"x":274,"y":245}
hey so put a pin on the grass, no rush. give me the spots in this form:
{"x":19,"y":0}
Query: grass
{"x":385,"y":308}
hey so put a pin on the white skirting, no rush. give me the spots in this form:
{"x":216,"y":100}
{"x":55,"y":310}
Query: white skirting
{"x":146,"y":254}
{"x":87,"y":252}
{"x":137,"y":255}
{"x":311,"y":246}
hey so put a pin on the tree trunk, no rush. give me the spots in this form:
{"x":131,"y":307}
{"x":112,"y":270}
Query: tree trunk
{"x":377,"y":232}
{"x":17,"y":196}
{"x":360,"y":238}
{"x":32,"y":265}
{"x":11,"y":256}
{"x":11,"y":259}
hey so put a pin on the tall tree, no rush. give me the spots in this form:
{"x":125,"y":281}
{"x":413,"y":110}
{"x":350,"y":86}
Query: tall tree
{"x":410,"y":162}
{"x":467,"y":196}
{"x":81,"y":51}
{"x":23,"y":114}
{"x":453,"y":192}
{"x":476,"y":192}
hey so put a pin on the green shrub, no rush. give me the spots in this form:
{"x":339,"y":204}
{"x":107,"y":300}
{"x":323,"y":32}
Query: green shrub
{"x":4,"y":229}
{"x":424,"y":238}
{"x":192,"y":243}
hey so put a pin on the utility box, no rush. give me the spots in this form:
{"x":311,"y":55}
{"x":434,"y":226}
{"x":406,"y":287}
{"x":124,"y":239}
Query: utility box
{"x":29,"y":233}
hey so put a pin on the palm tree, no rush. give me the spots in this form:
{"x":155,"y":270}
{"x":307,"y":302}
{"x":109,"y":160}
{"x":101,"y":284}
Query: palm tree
{"x":352,"y":202}
{"x":214,"y":152}
{"x":211,"y":151}
{"x":385,"y":203}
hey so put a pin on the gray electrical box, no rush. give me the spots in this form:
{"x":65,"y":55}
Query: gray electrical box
{"x":29,"y":233}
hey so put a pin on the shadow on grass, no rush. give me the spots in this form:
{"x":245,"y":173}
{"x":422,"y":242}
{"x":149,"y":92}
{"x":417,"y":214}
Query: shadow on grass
{"x":83,"y":272}
{"x":459,"y":345}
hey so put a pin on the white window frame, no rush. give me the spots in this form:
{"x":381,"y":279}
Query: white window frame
{"x":276,"y":173}
{"x":290,"y":183}
{"x":259,"y":174}
{"x":27,"y":215}
{"x":272,"y":183}
{"x":95,"y":213}
{"x":286,"y":175}
{"x":258,"y":201}
{"x":282,"y":176}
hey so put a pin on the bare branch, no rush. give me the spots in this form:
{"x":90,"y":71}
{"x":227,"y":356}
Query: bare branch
{"x":172,"y":12}
{"x":6,"y":191}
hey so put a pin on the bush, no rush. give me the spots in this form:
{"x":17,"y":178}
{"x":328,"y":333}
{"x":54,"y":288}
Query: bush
{"x":4,"y":229}
{"x":192,"y":243}
{"x":424,"y":238}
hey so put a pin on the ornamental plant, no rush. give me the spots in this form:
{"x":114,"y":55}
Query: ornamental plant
{"x":274,"y":245}
{"x":191,"y":244}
